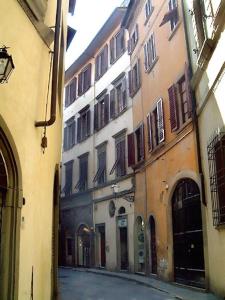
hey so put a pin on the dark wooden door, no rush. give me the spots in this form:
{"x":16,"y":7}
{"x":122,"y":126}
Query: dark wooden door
{"x":187,"y":234}
{"x":153,"y":245}
{"x":123,"y":248}
{"x":102,"y":237}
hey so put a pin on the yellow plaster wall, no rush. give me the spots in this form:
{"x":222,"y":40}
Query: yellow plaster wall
{"x":23,"y":101}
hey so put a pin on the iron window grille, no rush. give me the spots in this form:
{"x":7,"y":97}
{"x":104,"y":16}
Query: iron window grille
{"x":216,"y":157}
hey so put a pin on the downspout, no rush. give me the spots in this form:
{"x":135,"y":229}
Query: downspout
{"x":194,"y":114}
{"x":55,"y":69}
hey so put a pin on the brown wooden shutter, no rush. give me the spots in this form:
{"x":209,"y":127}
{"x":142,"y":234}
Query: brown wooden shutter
{"x":160,"y":121}
{"x":112,"y":104}
{"x":88,"y":77}
{"x":112,"y":50}
{"x":80,"y":91}
{"x":146,"y":56}
{"x":73,"y":88}
{"x":106,"y":112}
{"x":136,"y":33}
{"x":138,"y":74}
{"x":96,"y":68}
{"x":79,"y":129}
{"x":105,"y":61}
{"x":122,"y":41}
{"x":129,"y":47}
{"x":130,"y":82}
{"x":131,"y":149}
{"x":65,"y":143}
{"x":174,"y":116}
{"x":124,"y":92}
{"x":188,"y":90}
{"x":122,"y":161}
{"x":67,"y":94}
{"x":73,"y":132}
{"x":96,"y":117}
{"x":88,"y":122}
{"x":142,"y":142}
{"x":149,"y":126}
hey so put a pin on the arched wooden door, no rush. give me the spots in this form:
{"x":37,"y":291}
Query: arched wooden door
{"x":187,"y":234}
{"x":153,"y":252}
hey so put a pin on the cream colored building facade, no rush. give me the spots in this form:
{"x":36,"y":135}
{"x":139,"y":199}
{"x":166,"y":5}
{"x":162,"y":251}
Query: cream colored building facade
{"x":29,"y":177}
{"x":206,"y":37}
{"x":97,"y":215}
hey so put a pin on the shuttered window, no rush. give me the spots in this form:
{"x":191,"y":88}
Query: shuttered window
{"x":117,"y":46}
{"x":172,"y":15}
{"x":139,"y":135}
{"x":84,"y":80}
{"x":70,"y":92}
{"x":69,"y":135}
{"x":155,"y":122}
{"x":100,"y":176}
{"x":83,"y":126}
{"x":101,"y":113}
{"x":118,"y":98}
{"x":120,"y":161}
{"x":134,"y":79}
{"x":148,"y":9}
{"x":82,"y":184}
{"x":150,"y":52}
{"x":131,"y":149}
{"x":101,"y":63}
{"x":180,"y":101}
{"x":132,"y":42}
{"x":68,"y":178}
{"x":149,"y":128}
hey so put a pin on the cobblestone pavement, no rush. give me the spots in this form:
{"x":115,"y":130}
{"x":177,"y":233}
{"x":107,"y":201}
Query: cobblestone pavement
{"x":89,"y":286}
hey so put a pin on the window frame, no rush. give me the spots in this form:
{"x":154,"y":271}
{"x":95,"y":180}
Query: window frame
{"x":150,"y":53}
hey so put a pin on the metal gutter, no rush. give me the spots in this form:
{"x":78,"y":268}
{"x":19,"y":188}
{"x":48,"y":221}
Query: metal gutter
{"x":55,"y":69}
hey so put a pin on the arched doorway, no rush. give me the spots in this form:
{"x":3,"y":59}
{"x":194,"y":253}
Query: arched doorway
{"x":83,"y":253}
{"x":140,"y":240}
{"x":10,"y":213}
{"x":187,"y":234}
{"x":153,"y":252}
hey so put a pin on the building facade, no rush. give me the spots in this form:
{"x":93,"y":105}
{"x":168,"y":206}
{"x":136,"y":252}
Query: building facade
{"x":29,"y":167}
{"x":97,"y":186}
{"x":205,"y":22}
{"x":168,"y":203}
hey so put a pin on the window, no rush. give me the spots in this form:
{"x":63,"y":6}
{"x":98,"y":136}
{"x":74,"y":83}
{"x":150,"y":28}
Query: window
{"x":150,"y":53}
{"x":69,"y":134}
{"x":136,"y":151}
{"x":68,"y":178}
{"x":180,"y":101}
{"x":71,"y":92}
{"x":132,"y":42}
{"x":82,"y":184}
{"x":83,"y":125}
{"x":134,"y":79}
{"x":118,"y":97}
{"x":172,"y":15}
{"x":117,"y":46}
{"x":155,"y":125}
{"x":84,"y":80}
{"x":101,"y":63}
{"x":101,"y":112}
{"x":148,"y":9}
{"x":100,"y":176}
{"x":216,"y":157}
{"x":120,"y":161}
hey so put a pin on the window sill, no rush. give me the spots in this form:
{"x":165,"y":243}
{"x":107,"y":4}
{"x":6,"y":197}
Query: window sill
{"x":183,"y":126}
{"x":174,"y":31}
{"x":149,"y":16}
{"x":150,"y":68}
{"x":157,"y":148}
{"x":118,"y":57}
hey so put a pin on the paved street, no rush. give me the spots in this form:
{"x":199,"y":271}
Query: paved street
{"x":88,"y":286}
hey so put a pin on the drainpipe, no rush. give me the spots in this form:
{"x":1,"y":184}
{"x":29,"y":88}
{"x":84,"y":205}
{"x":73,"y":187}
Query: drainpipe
{"x":194,"y":114}
{"x":55,"y":69}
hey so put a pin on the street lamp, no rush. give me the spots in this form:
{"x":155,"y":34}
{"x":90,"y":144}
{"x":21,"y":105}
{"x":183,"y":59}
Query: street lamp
{"x":6,"y":64}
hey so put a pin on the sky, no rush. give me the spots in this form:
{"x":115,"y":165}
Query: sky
{"x":88,"y":18}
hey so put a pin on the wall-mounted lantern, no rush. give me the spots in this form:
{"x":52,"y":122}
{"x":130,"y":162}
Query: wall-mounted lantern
{"x":6,"y":65}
